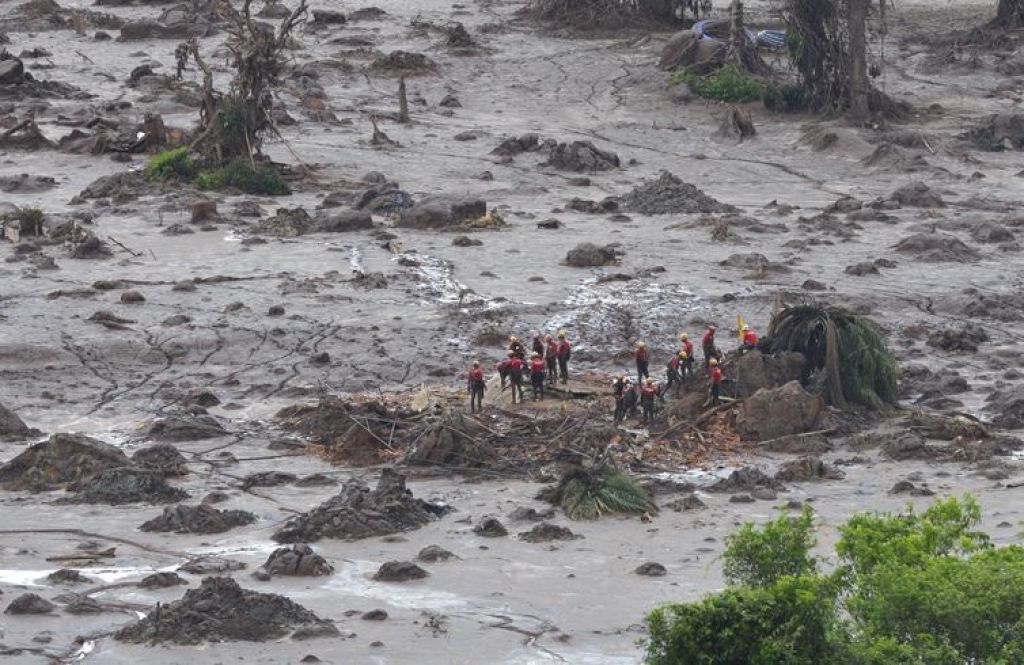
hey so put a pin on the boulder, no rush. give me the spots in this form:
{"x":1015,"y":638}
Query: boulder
{"x":755,"y":371}
{"x":589,"y":255}
{"x":30,"y":603}
{"x":773,"y":412}
{"x":808,"y":468}
{"x":13,"y":427}
{"x":58,"y":461}
{"x":490,"y":527}
{"x":434,"y":554}
{"x":1008,"y":407}
{"x":296,"y":561}
{"x":651,"y":569}
{"x":442,"y":212}
{"x":12,"y":72}
{"x":341,"y":222}
{"x":399,"y":571}
{"x":582,"y":156}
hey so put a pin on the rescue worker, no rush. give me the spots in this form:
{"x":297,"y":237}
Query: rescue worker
{"x":711,"y":351}
{"x":502,"y":368}
{"x":716,"y":381}
{"x":673,"y":369}
{"x":538,"y":344}
{"x":629,"y":399}
{"x":564,"y":353}
{"x":537,"y":376}
{"x":517,"y":348}
{"x":476,"y":387}
{"x":643,"y":360}
{"x":686,"y":367}
{"x":619,"y":392}
{"x":551,"y":358}
{"x":648,"y":393}
{"x":749,"y":339}
{"x":515,"y":375}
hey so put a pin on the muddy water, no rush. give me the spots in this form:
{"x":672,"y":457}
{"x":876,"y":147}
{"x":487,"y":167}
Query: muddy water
{"x":516,"y":602}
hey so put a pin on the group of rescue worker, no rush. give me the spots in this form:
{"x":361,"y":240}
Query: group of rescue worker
{"x":548,"y":363}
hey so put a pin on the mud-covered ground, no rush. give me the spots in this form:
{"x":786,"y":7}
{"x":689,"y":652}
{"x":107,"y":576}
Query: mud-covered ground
{"x":575,"y":601}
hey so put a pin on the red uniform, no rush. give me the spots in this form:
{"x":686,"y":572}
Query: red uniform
{"x":709,"y":338}
{"x":552,"y":351}
{"x":716,"y":376}
{"x":674,"y":362}
{"x":515,"y":366}
{"x":641,"y":355}
{"x":476,"y":388}
{"x":537,"y":366}
{"x":648,"y":392}
{"x":688,"y":347}
{"x":564,"y":350}
{"x":750,"y":338}
{"x":476,"y":375}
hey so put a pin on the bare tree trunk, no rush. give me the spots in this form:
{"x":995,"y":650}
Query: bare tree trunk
{"x":856,"y":19}
{"x":1010,"y":13}
{"x":403,"y":102}
{"x":736,"y":34}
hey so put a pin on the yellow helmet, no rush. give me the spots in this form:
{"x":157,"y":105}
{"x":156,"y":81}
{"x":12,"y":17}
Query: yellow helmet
{"x":682,"y":355}
{"x":641,"y":344}
{"x":561,"y":333}
{"x":684,"y":337}
{"x":713,"y":362}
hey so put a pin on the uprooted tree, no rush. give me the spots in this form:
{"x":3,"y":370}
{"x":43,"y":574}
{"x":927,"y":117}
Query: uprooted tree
{"x":232,"y":124}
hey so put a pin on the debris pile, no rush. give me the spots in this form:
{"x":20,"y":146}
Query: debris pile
{"x":667,"y":195}
{"x":125,"y":485}
{"x":203,"y":518}
{"x":297,"y":561}
{"x":59,"y":461}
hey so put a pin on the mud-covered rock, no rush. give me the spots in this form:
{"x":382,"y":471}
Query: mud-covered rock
{"x":581,"y":156}
{"x":209,"y":564}
{"x":67,"y":576}
{"x":442,"y":212}
{"x":296,"y":561}
{"x":125,"y":485}
{"x":203,"y":518}
{"x":861,"y":269}
{"x":268,"y":479}
{"x":162,"y":458}
{"x":359,"y":512}
{"x":182,"y":428}
{"x":399,"y":571}
{"x":808,"y":468}
{"x":59,"y":461}
{"x":782,"y":411}
{"x":965,"y":339}
{"x":946,"y":427}
{"x":917,"y":195}
{"x":162,"y":580}
{"x":13,"y":427}
{"x":685,"y":503}
{"x":546,"y":532}
{"x":516,"y":145}
{"x":907,"y":487}
{"x":403,"y":63}
{"x":745,"y":480}
{"x":991,"y":233}
{"x":343,"y":221}
{"x":434,"y":554}
{"x":668,"y":195}
{"x":490,"y":527}
{"x":1008,"y":407}
{"x":937,"y":248}
{"x":30,"y":603}
{"x":589,"y":255}
{"x":651,"y":569}
{"x":758,"y":371}
{"x":374,"y":615}
{"x":909,"y":445}
{"x":687,"y":50}
{"x":219,"y":611}
{"x":529,"y":514}
{"x":998,"y":132}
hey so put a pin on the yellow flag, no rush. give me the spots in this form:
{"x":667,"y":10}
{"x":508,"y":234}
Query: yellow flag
{"x":739,"y":326}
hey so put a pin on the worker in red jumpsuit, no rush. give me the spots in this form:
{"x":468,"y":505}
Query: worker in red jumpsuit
{"x":502,"y":368}
{"x":711,"y":351}
{"x":649,"y":392}
{"x":538,"y":344}
{"x":476,"y":387}
{"x":515,"y":375}
{"x":564,"y":353}
{"x":551,"y":358}
{"x":716,"y":381}
{"x":517,"y":348}
{"x":687,"y":367}
{"x":619,"y":386}
{"x":749,"y":339}
{"x":643,"y":361}
{"x":537,"y":373}
{"x":673,"y":371}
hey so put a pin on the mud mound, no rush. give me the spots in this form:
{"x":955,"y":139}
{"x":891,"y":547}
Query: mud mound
{"x":198,"y":519}
{"x":774,"y":412}
{"x":516,"y":145}
{"x":991,"y":233}
{"x":937,"y":248}
{"x":296,"y":561}
{"x":443,"y":212}
{"x":667,"y":194}
{"x":894,"y":158}
{"x":403,"y":63}
{"x":455,"y":441}
{"x":434,"y":554}
{"x":219,"y":611}
{"x":910,"y":445}
{"x":180,"y":428}
{"x":964,"y":339}
{"x":757,"y":263}
{"x":359,"y":512}
{"x":745,"y":480}
{"x":162,"y":458}
{"x":208,"y":564}
{"x":545,"y":532}
{"x":998,"y":132}
{"x":67,"y":576}
{"x":917,"y":195}
{"x":759,"y":370}
{"x":58,"y":461}
{"x":286,"y":223}
{"x":400,"y":571}
{"x":589,"y":255}
{"x":490,"y":527}
{"x":30,"y":603}
{"x":12,"y":427}
{"x":1008,"y":405}
{"x":268,"y":479}
{"x":581,"y":156}
{"x":125,"y":485}
{"x":808,"y":468}
{"x":161,"y":581}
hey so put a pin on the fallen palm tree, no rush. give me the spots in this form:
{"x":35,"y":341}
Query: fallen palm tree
{"x":590,"y":492}
{"x":849,"y":349}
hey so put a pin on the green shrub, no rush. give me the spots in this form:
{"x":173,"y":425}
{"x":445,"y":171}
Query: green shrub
{"x":760,"y":557}
{"x":728,"y":84}
{"x":589,"y":493}
{"x":241,"y":174}
{"x":175,"y":163}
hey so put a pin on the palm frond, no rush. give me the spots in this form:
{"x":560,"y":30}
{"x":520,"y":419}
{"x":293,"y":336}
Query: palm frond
{"x":587,"y":494}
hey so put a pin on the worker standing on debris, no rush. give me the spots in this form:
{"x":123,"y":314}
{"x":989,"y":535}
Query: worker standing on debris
{"x":629,"y":399}
{"x":643,"y":360}
{"x":503,"y":369}
{"x":564,"y":353}
{"x":716,"y":381}
{"x":687,"y":366}
{"x":711,"y":351}
{"x":515,"y":375}
{"x":476,"y":387}
{"x":538,"y":344}
{"x":673,"y":371}
{"x":537,"y":376}
{"x":551,"y":358}
{"x":517,"y":348}
{"x":649,"y":392}
{"x":749,"y":338}
{"x":619,"y":386}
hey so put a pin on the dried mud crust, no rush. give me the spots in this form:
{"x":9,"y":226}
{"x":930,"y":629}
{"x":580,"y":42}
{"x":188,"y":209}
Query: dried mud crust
{"x":359,"y":512}
{"x":219,"y":611}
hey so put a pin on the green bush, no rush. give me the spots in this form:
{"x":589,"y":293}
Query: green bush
{"x":241,"y":174}
{"x":910,"y":588}
{"x":175,"y":163}
{"x":784,"y":98}
{"x":728,"y":84}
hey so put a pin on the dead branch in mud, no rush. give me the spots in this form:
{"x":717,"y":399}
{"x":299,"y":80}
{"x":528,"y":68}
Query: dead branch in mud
{"x":89,"y":534}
